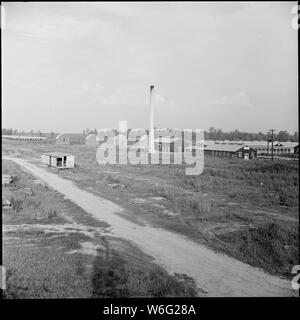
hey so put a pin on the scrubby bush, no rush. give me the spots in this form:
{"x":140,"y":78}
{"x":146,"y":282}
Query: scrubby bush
{"x":270,"y":246}
{"x":110,"y":179}
{"x":191,"y":181}
{"x":114,"y":277}
{"x":277,"y":180}
{"x":287,"y":198}
{"x":194,"y":205}
{"x":109,"y":279}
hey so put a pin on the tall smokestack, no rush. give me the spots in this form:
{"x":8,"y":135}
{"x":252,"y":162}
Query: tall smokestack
{"x":151,"y":128}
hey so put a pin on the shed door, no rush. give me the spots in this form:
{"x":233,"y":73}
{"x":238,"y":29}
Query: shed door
{"x":59,"y":162}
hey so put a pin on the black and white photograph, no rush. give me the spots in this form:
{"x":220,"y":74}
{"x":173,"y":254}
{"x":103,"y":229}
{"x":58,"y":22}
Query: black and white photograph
{"x":149,"y":150}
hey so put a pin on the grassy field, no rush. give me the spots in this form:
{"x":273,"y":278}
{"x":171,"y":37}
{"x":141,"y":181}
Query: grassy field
{"x":53,"y":249}
{"x":247,"y":209}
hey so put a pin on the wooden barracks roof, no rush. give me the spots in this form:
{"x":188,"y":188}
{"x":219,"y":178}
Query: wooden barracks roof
{"x":226,"y":147}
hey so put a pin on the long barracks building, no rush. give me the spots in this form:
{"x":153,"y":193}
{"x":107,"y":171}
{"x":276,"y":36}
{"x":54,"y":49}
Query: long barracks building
{"x":231,"y":151}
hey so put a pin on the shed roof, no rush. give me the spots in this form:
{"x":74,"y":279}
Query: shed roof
{"x":57,"y":154}
{"x":72,"y":136}
{"x":61,"y":135}
{"x":290,"y":144}
{"x":225,"y":147}
{"x":259,"y":146}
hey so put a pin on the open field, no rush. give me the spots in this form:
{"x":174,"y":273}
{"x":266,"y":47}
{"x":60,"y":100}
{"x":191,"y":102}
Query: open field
{"x":54,"y":249}
{"x":248,"y":210}
{"x":176,"y":253}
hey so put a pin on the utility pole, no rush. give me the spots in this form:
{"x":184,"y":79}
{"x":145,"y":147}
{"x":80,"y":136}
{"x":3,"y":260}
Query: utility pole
{"x":151,"y":127}
{"x":272,"y":137}
{"x":268,"y":141}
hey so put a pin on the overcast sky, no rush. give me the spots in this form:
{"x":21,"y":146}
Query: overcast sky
{"x":71,"y":66}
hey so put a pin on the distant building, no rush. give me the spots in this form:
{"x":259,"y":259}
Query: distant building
{"x":255,"y":143}
{"x":278,"y":144}
{"x":209,"y":142}
{"x":291,"y":145}
{"x":279,"y":148}
{"x":231,"y":151}
{"x":167,"y":144}
{"x":70,"y":138}
{"x":58,"y":160}
{"x":25,"y":138}
{"x":63,"y":139}
{"x":91,"y":140}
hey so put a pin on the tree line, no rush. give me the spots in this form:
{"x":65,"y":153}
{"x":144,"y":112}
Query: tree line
{"x":16,"y":132}
{"x":210,"y":134}
{"x":236,"y":135}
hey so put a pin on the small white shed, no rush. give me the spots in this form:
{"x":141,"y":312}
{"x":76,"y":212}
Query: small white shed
{"x":59,"y":160}
{"x":63,"y":139}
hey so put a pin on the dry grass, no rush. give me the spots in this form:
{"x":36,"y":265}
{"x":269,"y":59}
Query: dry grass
{"x":230,"y":196}
{"x":43,"y":264}
{"x":115,"y":277}
{"x":269,"y":246}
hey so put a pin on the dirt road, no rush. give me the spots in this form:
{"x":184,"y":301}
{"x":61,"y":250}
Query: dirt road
{"x":216,"y":274}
